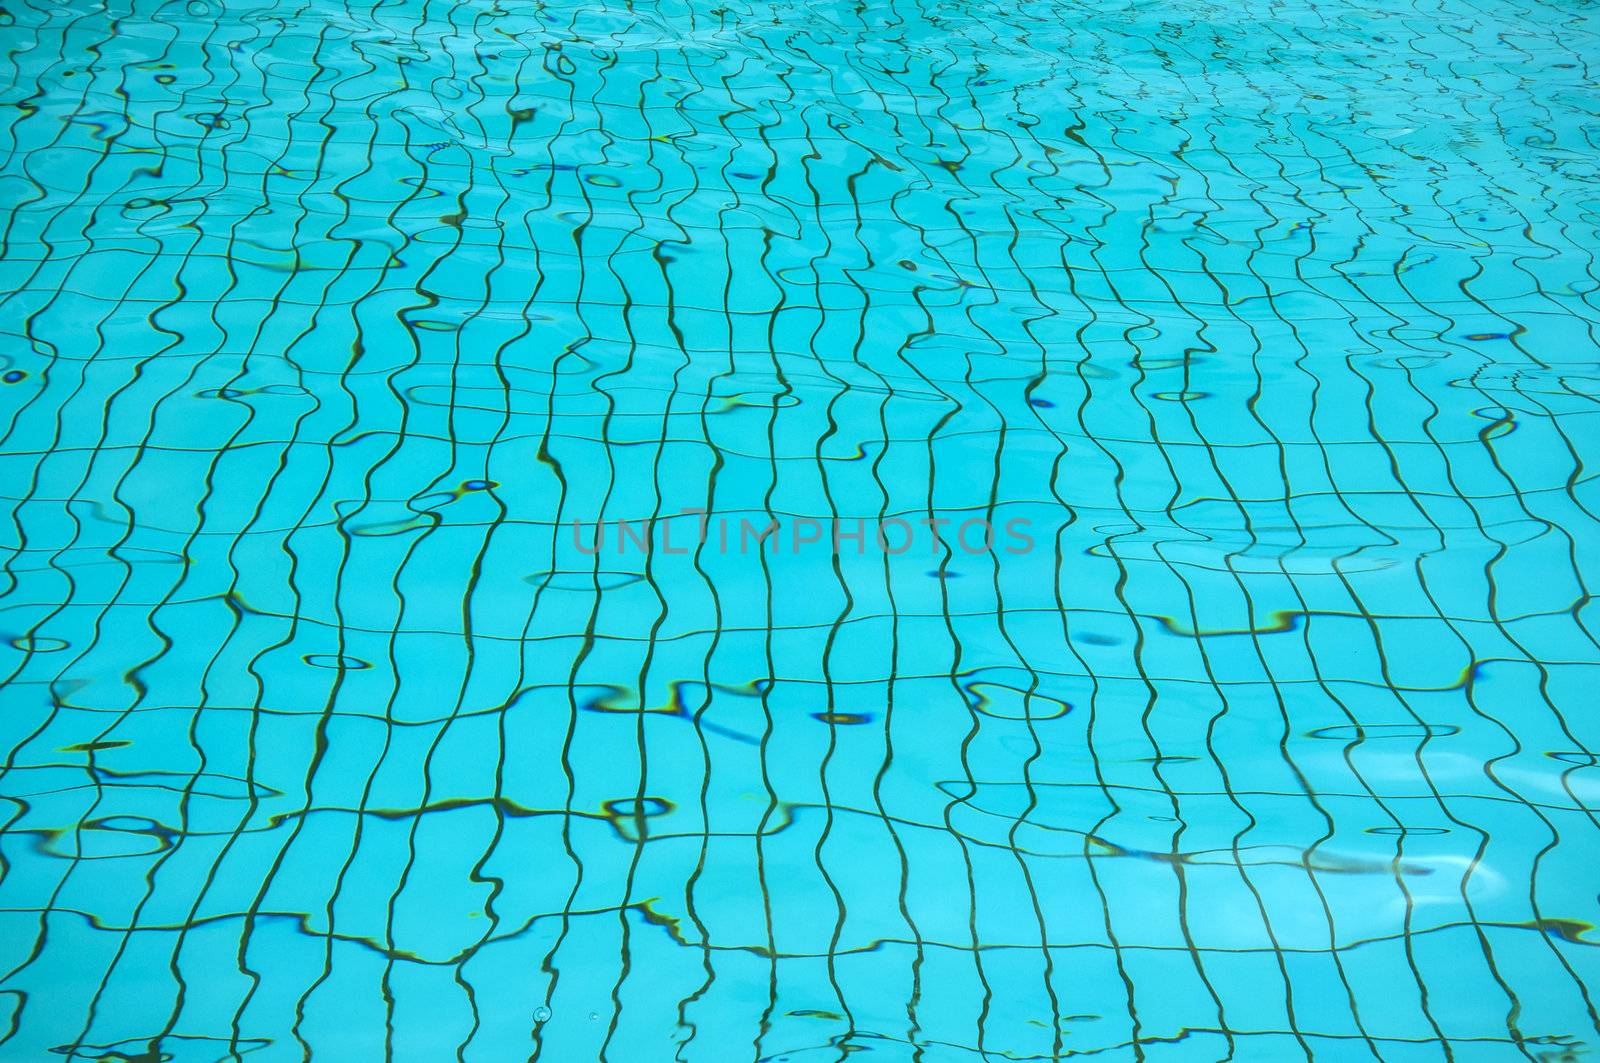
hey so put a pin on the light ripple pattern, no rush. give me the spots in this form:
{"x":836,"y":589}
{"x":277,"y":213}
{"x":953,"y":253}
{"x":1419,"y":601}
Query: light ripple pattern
{"x":326,"y":735}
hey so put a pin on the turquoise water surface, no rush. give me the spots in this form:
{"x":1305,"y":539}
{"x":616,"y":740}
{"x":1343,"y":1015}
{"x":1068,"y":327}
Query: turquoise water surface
{"x":1119,"y":488}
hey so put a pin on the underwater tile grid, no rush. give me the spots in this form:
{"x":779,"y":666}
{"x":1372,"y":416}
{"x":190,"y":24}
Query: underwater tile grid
{"x":1168,"y":431}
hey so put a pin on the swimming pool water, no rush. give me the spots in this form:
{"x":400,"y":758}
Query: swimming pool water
{"x":352,"y":351}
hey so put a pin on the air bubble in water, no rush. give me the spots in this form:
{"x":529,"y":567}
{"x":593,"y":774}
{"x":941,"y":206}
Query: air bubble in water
{"x":541,"y":1014}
